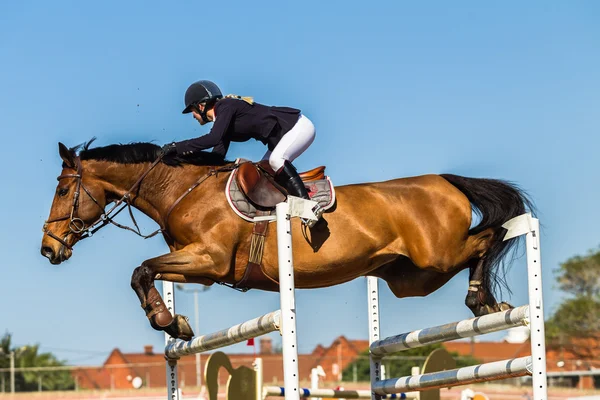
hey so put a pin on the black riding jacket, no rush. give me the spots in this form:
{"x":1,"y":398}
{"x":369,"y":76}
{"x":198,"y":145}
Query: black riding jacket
{"x":238,"y":121}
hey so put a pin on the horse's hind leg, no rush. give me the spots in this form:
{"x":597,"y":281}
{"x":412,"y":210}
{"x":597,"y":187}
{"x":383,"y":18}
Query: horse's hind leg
{"x":480,"y":299}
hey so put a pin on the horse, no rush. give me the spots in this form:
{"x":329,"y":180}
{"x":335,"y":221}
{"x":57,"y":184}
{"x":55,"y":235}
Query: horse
{"x":414,"y":233}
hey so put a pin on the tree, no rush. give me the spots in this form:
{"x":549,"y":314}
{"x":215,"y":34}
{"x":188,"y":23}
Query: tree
{"x":575,"y":325}
{"x":401,"y":364}
{"x":29,"y":356}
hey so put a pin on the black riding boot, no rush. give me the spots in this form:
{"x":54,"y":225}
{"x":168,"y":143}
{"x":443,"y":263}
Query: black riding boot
{"x":288,"y":177}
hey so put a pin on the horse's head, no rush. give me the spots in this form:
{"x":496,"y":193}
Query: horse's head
{"x":79,"y":200}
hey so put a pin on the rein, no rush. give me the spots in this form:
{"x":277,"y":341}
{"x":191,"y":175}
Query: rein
{"x":213,"y":171}
{"x":78,"y":227}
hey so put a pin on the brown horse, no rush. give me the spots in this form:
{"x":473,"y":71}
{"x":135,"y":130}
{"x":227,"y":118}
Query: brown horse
{"x":415,"y":233}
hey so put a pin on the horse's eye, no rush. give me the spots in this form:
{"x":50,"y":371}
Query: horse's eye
{"x":63,"y":191}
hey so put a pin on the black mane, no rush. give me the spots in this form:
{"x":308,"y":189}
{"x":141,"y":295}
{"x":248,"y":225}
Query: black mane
{"x":141,"y":152}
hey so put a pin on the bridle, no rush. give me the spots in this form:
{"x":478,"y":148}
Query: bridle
{"x":78,"y":227}
{"x":76,"y":224}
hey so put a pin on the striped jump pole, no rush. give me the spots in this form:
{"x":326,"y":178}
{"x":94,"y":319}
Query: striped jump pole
{"x":531,"y":315}
{"x":283,"y":320}
{"x":460,"y":376}
{"x":277,"y":391}
{"x":236,"y":334}
{"x":456,"y":330}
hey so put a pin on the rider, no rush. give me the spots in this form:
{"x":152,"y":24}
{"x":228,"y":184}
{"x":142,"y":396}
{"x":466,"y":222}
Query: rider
{"x":286,"y":131}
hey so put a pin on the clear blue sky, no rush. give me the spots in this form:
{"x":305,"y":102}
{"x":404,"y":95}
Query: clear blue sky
{"x":395,"y":89}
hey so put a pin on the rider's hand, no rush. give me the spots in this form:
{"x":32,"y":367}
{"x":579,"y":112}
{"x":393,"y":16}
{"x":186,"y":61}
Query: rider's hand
{"x":169,"y":149}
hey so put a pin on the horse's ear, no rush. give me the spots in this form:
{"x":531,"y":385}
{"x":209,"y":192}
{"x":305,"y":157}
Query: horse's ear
{"x":66,"y":155}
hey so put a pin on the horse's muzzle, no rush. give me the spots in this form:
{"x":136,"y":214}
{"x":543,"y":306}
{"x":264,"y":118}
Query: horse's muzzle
{"x":54,"y":251}
{"x":51,"y":255}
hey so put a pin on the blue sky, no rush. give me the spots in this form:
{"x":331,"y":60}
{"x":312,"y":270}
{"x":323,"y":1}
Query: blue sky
{"x":395,"y":89}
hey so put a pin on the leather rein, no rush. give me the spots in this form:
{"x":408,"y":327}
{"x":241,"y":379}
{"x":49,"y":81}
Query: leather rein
{"x":78,"y":227}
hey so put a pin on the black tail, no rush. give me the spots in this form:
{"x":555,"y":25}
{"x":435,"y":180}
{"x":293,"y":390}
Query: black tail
{"x":496,"y":202}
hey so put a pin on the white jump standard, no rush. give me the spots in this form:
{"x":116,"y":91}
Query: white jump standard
{"x":531,"y":315}
{"x":283,"y":320}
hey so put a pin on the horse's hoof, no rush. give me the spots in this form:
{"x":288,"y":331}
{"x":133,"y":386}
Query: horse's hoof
{"x":497,"y":308}
{"x":487,"y":309}
{"x":180,"y":328}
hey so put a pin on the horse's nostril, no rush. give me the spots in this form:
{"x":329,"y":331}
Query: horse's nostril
{"x":47,"y":252}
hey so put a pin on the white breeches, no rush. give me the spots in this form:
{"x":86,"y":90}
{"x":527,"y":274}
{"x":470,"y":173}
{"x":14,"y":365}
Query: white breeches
{"x":292,"y":144}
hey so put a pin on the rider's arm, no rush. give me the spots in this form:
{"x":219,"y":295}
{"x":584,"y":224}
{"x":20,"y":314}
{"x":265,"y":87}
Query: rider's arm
{"x":215,"y":138}
{"x":221,"y":148}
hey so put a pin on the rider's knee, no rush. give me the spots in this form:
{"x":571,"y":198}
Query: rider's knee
{"x":276,"y":160}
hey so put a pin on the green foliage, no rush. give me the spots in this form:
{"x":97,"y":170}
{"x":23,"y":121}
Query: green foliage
{"x":575,"y":325}
{"x":580,"y":275}
{"x":29,"y":356}
{"x":397,"y":366}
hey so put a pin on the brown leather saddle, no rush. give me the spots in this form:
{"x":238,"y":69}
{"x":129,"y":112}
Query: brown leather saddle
{"x":257,"y":182}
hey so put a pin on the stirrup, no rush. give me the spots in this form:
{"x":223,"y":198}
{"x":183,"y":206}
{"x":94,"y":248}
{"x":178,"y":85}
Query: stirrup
{"x":318,"y":211}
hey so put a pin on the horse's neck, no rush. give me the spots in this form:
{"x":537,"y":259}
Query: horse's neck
{"x":157,"y":192}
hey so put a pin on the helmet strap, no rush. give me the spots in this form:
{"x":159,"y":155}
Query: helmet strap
{"x":207,"y":106}
{"x":204,"y":116}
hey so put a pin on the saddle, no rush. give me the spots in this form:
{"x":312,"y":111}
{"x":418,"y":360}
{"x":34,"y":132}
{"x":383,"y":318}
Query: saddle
{"x":253,"y":194}
{"x":257,"y":182}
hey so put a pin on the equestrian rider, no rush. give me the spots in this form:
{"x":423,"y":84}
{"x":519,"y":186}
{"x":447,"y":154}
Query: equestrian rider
{"x":285,"y":131}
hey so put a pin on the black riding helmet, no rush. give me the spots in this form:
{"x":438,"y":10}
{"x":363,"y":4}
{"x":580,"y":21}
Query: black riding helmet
{"x":201,"y":92}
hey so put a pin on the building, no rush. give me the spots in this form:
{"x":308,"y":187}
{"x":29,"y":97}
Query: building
{"x":127,"y":370}
{"x":147,"y":368}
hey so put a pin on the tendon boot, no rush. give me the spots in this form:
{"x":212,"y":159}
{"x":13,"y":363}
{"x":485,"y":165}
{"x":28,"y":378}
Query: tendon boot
{"x":288,"y":177}
{"x":161,"y":319}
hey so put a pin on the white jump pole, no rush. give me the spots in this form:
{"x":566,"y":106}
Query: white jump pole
{"x":456,"y":330}
{"x":287,"y":302}
{"x":460,"y":376}
{"x":275,"y":391}
{"x":172,"y":377}
{"x":236,"y":334}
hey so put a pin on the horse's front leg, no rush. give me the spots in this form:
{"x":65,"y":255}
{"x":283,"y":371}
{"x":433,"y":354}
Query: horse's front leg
{"x":183,"y":263}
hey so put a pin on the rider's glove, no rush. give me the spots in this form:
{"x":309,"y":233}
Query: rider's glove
{"x":169,"y":149}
